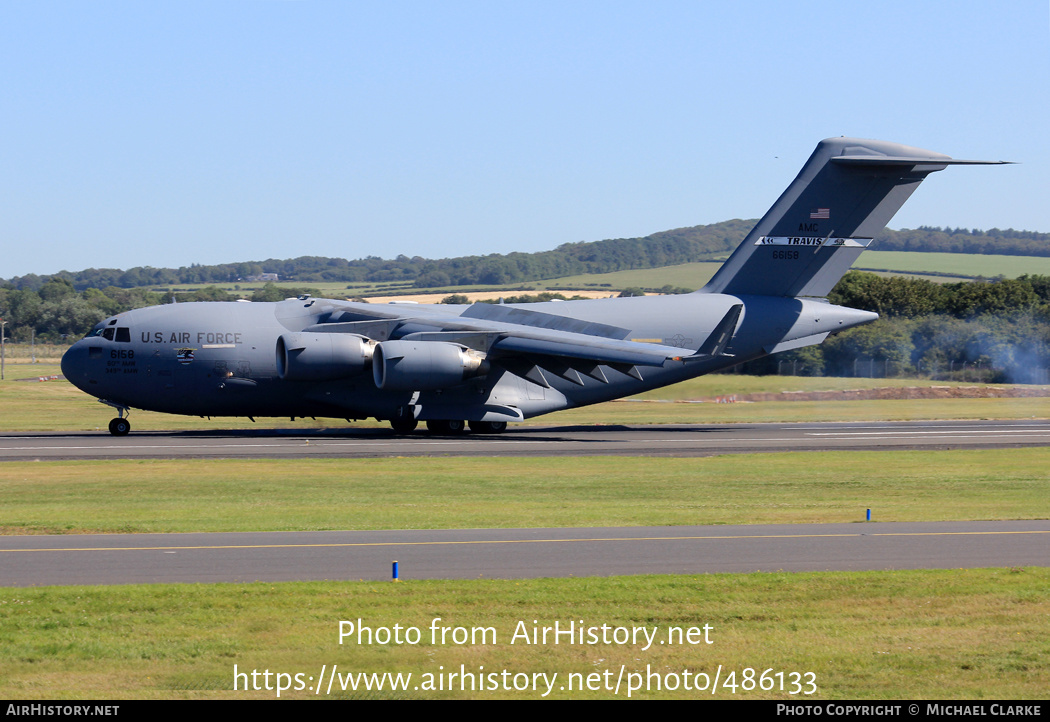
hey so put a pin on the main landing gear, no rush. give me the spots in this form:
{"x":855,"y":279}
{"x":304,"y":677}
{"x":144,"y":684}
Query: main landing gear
{"x":488,"y":427}
{"x":448,"y":427}
{"x":403,"y":425}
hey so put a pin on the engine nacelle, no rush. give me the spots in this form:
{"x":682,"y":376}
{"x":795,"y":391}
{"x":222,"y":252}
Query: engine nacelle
{"x":425,"y":365}
{"x":322,"y":356}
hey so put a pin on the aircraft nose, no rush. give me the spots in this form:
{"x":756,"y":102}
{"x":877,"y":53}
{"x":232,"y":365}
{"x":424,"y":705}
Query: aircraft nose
{"x":74,"y":365}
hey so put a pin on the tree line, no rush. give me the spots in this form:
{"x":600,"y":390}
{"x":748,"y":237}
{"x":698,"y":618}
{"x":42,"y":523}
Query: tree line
{"x":682,"y":245}
{"x":994,"y":330}
{"x":58,"y":312}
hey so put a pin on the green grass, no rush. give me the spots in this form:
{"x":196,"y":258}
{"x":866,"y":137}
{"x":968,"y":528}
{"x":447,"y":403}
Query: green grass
{"x":686,"y":275}
{"x":59,"y":406}
{"x":942,"y":266}
{"x":454,"y":492}
{"x":713,"y":385}
{"x":942,"y":634}
{"x":963,"y":265}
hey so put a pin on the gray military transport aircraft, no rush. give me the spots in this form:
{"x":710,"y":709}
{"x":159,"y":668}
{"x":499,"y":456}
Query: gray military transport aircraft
{"x":486,"y":365}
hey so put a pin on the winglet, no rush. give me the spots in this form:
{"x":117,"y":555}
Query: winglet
{"x":716,"y":343}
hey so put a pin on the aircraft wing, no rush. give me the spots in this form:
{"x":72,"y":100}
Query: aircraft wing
{"x":527,"y":342}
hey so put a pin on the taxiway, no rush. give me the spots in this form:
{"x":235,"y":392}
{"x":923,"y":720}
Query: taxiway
{"x":654,"y":440}
{"x":517,"y":553}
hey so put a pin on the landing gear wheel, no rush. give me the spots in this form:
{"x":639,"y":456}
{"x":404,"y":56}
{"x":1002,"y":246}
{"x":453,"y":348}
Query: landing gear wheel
{"x":446,"y":426}
{"x":403,"y":425}
{"x":488,"y":427}
{"x":119,"y":427}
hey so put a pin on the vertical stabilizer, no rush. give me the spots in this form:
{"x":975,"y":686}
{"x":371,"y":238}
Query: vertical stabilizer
{"x":846,"y":193}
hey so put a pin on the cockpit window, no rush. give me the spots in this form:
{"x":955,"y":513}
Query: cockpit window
{"x":96,"y":331}
{"x":121,"y":334}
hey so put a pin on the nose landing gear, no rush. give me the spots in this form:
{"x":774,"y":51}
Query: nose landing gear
{"x":119,"y":426}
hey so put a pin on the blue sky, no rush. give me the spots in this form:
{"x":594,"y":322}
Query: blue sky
{"x":166,"y":134}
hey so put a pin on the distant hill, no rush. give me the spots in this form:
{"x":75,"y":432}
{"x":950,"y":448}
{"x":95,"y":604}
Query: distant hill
{"x":666,"y":248}
{"x":931,"y":239}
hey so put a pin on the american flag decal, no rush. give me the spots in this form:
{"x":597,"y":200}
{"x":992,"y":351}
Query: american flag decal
{"x":820,"y":214}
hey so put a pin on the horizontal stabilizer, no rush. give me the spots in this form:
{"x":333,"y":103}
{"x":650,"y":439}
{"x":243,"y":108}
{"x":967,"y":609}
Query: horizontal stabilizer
{"x":911,"y":160}
{"x":795,"y":343}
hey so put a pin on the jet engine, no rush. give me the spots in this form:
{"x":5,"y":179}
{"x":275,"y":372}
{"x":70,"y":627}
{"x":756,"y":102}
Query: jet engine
{"x":322,"y":356}
{"x":425,"y":365}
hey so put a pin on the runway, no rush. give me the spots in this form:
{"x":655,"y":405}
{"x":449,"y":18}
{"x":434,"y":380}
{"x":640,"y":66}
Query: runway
{"x":522,"y":553}
{"x":521,"y":441}
{"x":517,"y":553}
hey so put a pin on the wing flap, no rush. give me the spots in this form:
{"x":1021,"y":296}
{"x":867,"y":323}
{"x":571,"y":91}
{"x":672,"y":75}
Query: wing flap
{"x":517,"y":316}
{"x":621,"y":352}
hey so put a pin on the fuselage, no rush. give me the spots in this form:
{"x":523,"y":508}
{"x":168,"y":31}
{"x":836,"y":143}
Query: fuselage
{"x":221,"y":359}
{"x":491,"y":365}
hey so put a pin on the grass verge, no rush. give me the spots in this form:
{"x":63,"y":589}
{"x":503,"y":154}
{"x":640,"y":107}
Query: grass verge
{"x":454,"y":492}
{"x":958,"y":634}
{"x":942,"y":634}
{"x":59,"y":406}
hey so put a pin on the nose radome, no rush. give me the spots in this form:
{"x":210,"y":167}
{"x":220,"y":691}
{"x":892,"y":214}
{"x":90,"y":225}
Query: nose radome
{"x":67,"y":362}
{"x":73,"y":365}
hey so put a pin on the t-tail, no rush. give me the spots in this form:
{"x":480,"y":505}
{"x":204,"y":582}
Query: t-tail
{"x":846,"y":193}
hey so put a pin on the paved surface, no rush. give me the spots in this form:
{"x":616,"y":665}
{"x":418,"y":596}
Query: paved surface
{"x":520,"y":553}
{"x":517,"y":553}
{"x":655,"y":440}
